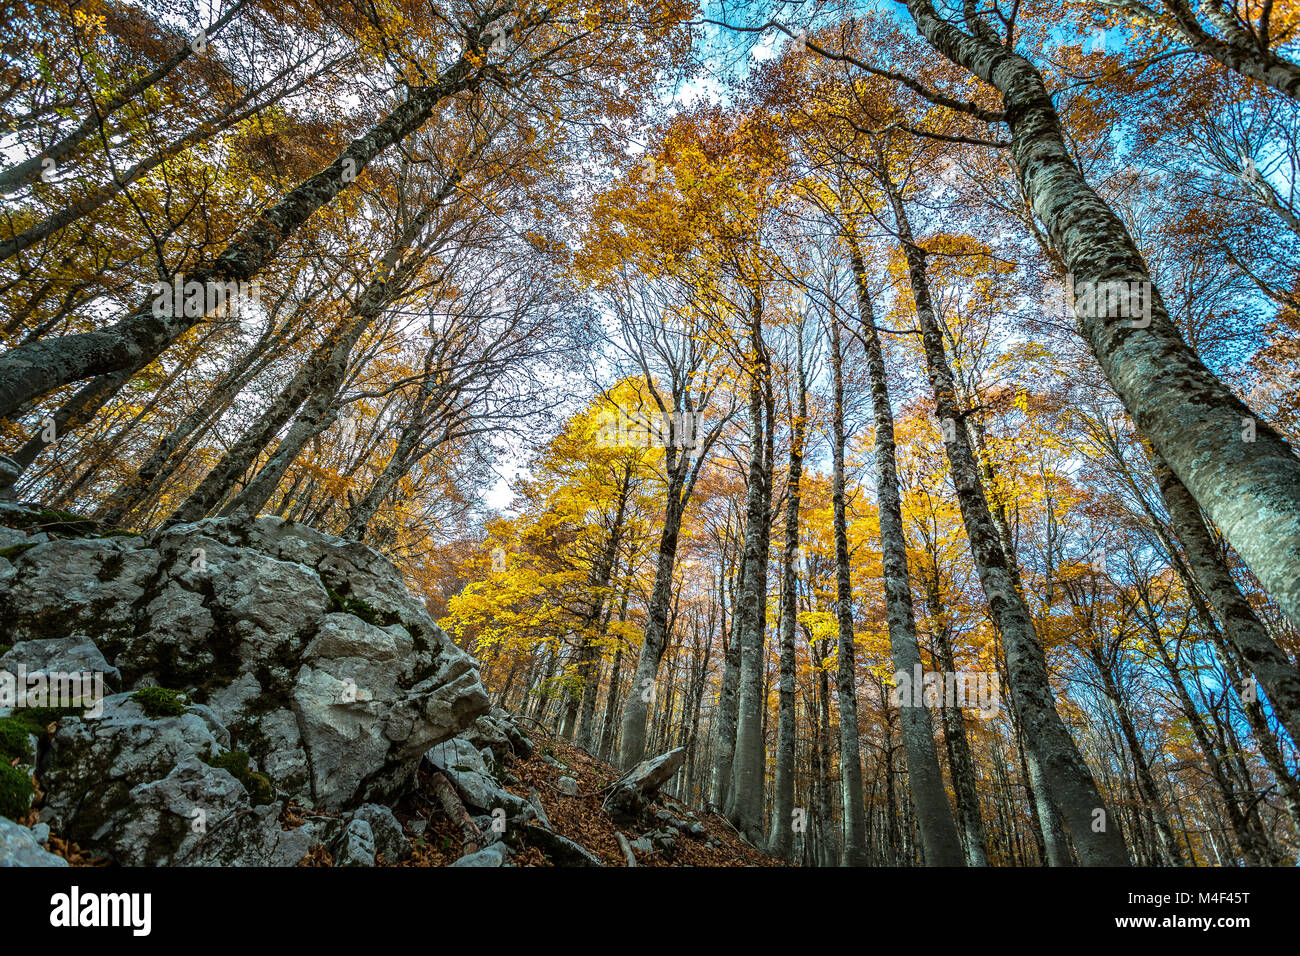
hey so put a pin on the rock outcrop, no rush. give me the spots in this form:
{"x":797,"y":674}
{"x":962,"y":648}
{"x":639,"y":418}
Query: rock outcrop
{"x":632,"y":795}
{"x":258,"y":662}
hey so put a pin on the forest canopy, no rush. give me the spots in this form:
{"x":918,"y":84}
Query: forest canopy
{"x":892,"y":404}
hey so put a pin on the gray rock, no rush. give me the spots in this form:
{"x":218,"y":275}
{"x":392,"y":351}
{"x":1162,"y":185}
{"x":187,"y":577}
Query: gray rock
{"x":664,"y":840}
{"x":390,"y":841}
{"x":140,"y":791}
{"x":483,"y":793}
{"x":457,"y":754}
{"x":535,"y":799}
{"x":255,"y":839}
{"x":72,"y":655}
{"x":568,"y":786}
{"x":355,"y":845}
{"x":496,"y":730}
{"x":631,"y":797}
{"x":495,"y":854}
{"x":490,"y":827}
{"x":20,"y":847}
{"x":561,"y":850}
{"x":336,"y":703}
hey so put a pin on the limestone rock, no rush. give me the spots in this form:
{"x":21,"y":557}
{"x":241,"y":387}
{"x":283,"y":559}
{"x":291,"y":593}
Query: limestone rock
{"x":494,"y":855}
{"x":631,"y":797}
{"x":20,"y":847}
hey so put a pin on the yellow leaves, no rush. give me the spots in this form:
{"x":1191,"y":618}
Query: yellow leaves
{"x":89,"y":23}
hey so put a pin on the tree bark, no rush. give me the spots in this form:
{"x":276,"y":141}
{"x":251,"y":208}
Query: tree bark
{"x":925,"y":779}
{"x":1070,"y":783}
{"x":1237,"y":467}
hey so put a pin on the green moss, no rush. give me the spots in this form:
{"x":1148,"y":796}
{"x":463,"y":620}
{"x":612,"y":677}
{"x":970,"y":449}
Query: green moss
{"x":42,"y":717}
{"x":5,"y":649}
{"x":235,"y":763}
{"x":48,"y":519}
{"x":15,"y":792}
{"x":159,"y":702}
{"x":15,"y":739}
{"x":363,"y":610}
{"x":14,"y":550}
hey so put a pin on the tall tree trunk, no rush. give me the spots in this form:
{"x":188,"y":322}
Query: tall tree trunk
{"x":1146,"y":783}
{"x":780,"y":842}
{"x":38,"y":367}
{"x":1071,"y":785}
{"x":853,"y":852}
{"x":725,"y":728}
{"x":1236,"y":466}
{"x":749,"y":764}
{"x":1243,"y":629}
{"x":954,"y":735}
{"x":641,"y":694}
{"x":925,"y":779}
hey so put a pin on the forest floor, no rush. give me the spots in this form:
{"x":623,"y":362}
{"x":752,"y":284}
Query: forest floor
{"x":579,"y":818}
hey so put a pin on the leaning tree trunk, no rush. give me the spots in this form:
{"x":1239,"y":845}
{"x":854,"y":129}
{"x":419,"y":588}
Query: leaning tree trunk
{"x":152,"y":475}
{"x":38,"y":367}
{"x":925,"y":779}
{"x":954,"y":734}
{"x":1068,"y":779}
{"x":1241,"y":626}
{"x":1237,"y":467}
{"x":1146,"y":783}
{"x":240,"y":456}
{"x":724,"y":730}
{"x":636,"y":709}
{"x":29,"y":171}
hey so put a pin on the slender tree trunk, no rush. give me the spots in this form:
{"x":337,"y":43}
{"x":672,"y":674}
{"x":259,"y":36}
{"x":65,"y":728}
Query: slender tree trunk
{"x":1243,"y":629}
{"x":725,"y":728}
{"x":29,"y":171}
{"x":954,"y":735}
{"x":1072,"y":787}
{"x":641,"y":694}
{"x":854,"y":849}
{"x":1146,"y":783}
{"x":749,"y":764}
{"x":38,"y":367}
{"x":781,"y":841}
{"x":942,"y":847}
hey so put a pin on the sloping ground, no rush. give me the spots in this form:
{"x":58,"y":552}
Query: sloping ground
{"x":579,"y":818}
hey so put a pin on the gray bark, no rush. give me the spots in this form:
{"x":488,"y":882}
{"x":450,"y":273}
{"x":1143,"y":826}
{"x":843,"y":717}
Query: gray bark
{"x":38,"y":367}
{"x":1249,"y":488}
{"x":934,"y":817}
{"x":1070,"y":783}
{"x":853,"y":850}
{"x":781,"y":840}
{"x":749,"y":762}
